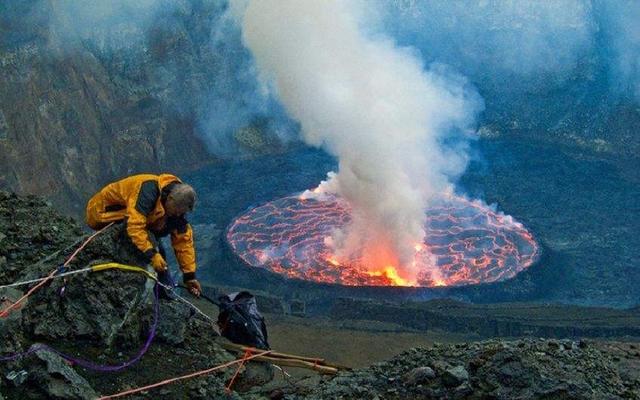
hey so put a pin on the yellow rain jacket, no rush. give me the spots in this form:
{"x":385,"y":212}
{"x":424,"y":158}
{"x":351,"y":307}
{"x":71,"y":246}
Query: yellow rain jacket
{"x":138,"y":200}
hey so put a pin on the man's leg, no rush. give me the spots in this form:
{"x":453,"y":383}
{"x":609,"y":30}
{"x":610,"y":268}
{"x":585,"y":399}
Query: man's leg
{"x":97,"y":217}
{"x":164,"y":277}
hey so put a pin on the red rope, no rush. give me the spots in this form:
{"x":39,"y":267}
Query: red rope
{"x":183,"y":377}
{"x":11,"y":307}
{"x":247,"y":353}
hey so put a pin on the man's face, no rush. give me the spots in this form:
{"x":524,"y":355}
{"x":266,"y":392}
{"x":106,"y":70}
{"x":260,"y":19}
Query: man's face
{"x":173,"y":209}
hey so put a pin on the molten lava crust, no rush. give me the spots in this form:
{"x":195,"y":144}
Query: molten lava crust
{"x":466,"y":243}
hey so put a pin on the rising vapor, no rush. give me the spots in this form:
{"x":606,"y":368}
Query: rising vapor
{"x":372,"y":104}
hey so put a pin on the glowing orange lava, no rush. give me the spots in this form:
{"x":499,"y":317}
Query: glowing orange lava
{"x":389,"y":272}
{"x":466,"y":243}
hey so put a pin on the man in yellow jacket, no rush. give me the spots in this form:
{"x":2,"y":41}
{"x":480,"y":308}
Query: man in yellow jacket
{"x":151,"y":205}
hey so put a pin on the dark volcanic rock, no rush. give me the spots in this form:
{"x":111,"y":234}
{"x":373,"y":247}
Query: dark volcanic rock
{"x":103,"y":317}
{"x":30,"y":230}
{"x":525,"y":369}
{"x":418,"y":375}
{"x":112,"y":301}
{"x":455,"y":376}
{"x":172,"y":328}
{"x":58,"y":379}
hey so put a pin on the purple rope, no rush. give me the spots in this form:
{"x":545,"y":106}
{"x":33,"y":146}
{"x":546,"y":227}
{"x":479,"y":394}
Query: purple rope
{"x":90,"y":365}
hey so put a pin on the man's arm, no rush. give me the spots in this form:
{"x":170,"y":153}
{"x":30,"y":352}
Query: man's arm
{"x":182,"y":242}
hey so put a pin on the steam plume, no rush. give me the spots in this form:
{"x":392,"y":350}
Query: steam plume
{"x":622,"y":32}
{"x":374,"y":106}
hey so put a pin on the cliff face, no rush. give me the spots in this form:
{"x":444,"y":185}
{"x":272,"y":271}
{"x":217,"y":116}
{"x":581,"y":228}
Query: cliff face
{"x":76,"y":112}
{"x":91,"y":91}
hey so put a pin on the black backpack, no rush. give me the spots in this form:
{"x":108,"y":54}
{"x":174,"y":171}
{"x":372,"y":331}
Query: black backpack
{"x":241,"y":322}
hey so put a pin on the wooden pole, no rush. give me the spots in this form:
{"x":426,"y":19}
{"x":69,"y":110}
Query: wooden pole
{"x":290,"y":362}
{"x":303,"y":362}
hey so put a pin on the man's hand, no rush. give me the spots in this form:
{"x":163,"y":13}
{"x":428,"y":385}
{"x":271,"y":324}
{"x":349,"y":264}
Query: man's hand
{"x":158,"y":263}
{"x":194,"y":287}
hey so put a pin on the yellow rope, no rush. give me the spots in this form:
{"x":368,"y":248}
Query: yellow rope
{"x":123,"y":267}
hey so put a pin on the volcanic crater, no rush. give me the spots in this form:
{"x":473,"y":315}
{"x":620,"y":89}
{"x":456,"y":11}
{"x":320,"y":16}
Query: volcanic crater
{"x":466,"y":243}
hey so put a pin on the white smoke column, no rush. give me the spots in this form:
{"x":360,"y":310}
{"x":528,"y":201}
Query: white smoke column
{"x":372,"y":105}
{"x":621,"y":25}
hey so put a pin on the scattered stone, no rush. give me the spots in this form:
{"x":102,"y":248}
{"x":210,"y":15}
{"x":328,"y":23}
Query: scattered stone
{"x":17,"y":378}
{"x":254,"y":374}
{"x":60,"y":380}
{"x":510,"y":369}
{"x":172,"y":327}
{"x":418,"y":375}
{"x":441,"y":366}
{"x":455,"y":376}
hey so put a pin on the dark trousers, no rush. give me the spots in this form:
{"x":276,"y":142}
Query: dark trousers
{"x":164,"y":277}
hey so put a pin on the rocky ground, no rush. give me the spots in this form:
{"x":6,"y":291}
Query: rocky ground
{"x":105,"y":317}
{"x":30,"y":230}
{"x":523,"y":369}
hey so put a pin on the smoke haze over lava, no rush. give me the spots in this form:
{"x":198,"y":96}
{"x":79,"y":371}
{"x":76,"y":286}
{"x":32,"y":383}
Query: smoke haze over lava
{"x":377,"y":108}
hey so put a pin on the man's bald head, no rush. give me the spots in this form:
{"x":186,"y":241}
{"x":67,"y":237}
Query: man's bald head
{"x":181,"y":199}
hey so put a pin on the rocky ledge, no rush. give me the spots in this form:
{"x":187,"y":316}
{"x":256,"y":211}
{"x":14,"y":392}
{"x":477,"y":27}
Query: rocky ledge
{"x":101,"y":317}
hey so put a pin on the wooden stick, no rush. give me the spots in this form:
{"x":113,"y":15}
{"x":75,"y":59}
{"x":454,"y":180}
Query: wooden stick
{"x":290,"y":362}
{"x":238,"y":347}
{"x":315,"y":361}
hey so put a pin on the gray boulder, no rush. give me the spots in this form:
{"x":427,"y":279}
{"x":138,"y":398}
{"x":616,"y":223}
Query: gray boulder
{"x":418,"y":376}
{"x":58,"y":379}
{"x":172,"y":327}
{"x":109,"y":307}
{"x":455,"y":376}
